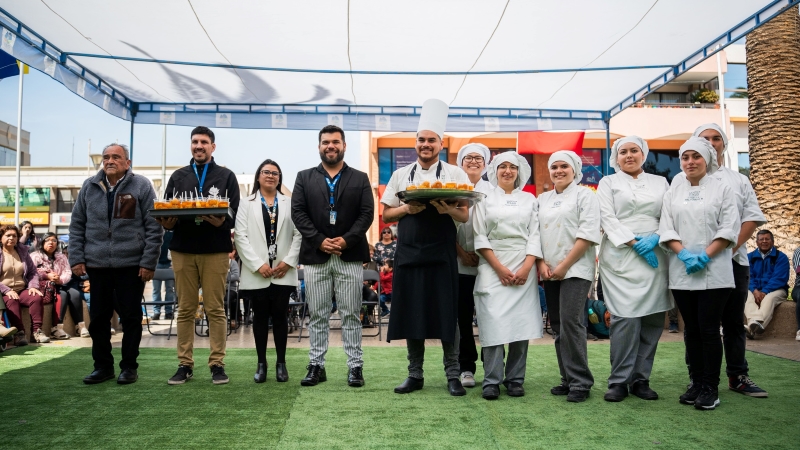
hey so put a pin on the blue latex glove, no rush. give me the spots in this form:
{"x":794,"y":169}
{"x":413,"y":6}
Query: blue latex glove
{"x":691,"y":261}
{"x":651,"y":259}
{"x":646,"y":244}
{"x":704,"y":259}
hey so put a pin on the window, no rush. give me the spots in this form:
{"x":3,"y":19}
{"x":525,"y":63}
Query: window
{"x":32,"y":199}
{"x":66,"y":199}
{"x":744,"y":164}
{"x":666,"y":97}
{"x":8,"y":157}
{"x":391,"y":159}
{"x":663,"y":162}
{"x":736,"y":81}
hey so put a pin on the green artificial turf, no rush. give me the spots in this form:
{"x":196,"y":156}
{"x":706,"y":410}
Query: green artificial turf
{"x":47,"y":406}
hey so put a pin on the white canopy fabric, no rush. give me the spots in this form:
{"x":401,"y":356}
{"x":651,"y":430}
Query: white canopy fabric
{"x":501,"y":65}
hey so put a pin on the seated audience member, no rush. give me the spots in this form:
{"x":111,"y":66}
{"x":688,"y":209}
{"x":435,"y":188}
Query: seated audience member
{"x":387,"y":274}
{"x":769,"y":282}
{"x":55,"y":278}
{"x":19,"y":284}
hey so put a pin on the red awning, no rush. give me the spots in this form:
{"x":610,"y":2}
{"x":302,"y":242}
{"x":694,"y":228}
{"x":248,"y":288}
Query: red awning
{"x":547,"y":142}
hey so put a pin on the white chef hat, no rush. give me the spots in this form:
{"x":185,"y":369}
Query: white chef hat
{"x":705,"y":149}
{"x":571,"y":158}
{"x":612,"y":161}
{"x":712,"y":126}
{"x":475,"y":148}
{"x":433,"y":117}
{"x":523,"y":168}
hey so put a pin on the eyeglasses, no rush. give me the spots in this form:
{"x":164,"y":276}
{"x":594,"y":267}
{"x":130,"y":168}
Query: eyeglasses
{"x":470,"y":158}
{"x":269,"y":173}
{"x":387,"y":232}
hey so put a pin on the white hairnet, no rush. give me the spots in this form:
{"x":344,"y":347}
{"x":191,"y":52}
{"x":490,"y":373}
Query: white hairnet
{"x":612,"y":160}
{"x":702,"y":146}
{"x":571,"y":158}
{"x":523,"y":168}
{"x":475,"y":148}
{"x":712,"y":126}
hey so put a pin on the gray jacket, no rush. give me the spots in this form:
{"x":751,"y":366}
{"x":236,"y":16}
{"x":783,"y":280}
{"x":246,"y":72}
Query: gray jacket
{"x":130,"y":238}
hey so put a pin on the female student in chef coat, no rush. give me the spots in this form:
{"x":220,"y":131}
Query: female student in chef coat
{"x":633,"y":268}
{"x":700,"y":225}
{"x":506,"y":227}
{"x":569,"y":225}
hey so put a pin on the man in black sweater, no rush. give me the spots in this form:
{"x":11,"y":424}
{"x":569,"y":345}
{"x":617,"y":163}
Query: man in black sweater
{"x":200,"y":250}
{"x":333,"y":207}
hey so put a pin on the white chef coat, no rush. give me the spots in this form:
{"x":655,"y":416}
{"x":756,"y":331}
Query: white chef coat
{"x":466,"y":235}
{"x":565,"y":217}
{"x":628,"y":208}
{"x":400,"y":181}
{"x":508,"y":224}
{"x":746,"y":203}
{"x":696,"y":216}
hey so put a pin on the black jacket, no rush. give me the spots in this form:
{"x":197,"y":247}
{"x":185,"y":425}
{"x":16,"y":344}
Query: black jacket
{"x":204,"y":238}
{"x":354,"y":206}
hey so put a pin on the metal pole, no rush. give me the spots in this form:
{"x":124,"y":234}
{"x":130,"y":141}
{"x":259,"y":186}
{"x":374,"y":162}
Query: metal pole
{"x":132,"y":118}
{"x":18,"y":192}
{"x":608,"y":147}
{"x":90,"y":166}
{"x":723,"y":124}
{"x":164,"y":161}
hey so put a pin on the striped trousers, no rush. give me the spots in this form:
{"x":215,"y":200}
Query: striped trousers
{"x":322,"y":281}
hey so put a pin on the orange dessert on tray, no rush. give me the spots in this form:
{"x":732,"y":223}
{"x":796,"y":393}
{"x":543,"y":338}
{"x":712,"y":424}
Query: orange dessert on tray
{"x":451,"y":185}
{"x":437,"y":185}
{"x":212,"y":202}
{"x":411,"y":187}
{"x":425,"y":185}
{"x":175,"y":203}
{"x":463,"y":187}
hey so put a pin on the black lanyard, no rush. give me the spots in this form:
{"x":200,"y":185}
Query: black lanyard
{"x":332,"y":188}
{"x":200,"y":180}
{"x":414,"y":171}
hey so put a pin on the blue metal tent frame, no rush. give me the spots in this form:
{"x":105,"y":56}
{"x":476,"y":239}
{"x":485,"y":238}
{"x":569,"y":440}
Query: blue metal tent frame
{"x":37,"y":52}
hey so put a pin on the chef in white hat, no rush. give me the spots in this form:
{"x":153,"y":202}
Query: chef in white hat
{"x":425,"y":295}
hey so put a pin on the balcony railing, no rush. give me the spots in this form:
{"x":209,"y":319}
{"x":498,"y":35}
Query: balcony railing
{"x":677,"y":105}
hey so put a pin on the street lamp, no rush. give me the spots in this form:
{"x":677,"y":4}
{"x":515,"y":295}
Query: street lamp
{"x":97,"y":159}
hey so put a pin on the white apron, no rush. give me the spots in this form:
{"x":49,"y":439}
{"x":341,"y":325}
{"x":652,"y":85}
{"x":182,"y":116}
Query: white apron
{"x":630,"y":208}
{"x":508,"y":224}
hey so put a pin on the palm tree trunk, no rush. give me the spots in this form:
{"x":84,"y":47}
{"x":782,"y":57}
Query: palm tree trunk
{"x":773,"y":85}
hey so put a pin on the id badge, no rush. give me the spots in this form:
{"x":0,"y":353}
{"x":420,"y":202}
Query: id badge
{"x":273,"y":250}
{"x":333,"y":218}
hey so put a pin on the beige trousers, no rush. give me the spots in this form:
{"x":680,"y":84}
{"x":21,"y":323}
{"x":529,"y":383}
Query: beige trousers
{"x":763,"y":313}
{"x":191,"y":272}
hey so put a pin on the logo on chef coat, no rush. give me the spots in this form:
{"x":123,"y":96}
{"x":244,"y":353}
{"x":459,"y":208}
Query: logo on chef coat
{"x":694,"y":196}
{"x":511,"y":203}
{"x":556,"y":204}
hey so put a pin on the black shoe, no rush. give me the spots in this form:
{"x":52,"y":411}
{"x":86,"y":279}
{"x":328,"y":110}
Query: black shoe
{"x":261,"y":373}
{"x":98,"y":376}
{"x":642,"y":390}
{"x":183,"y":375}
{"x":315,"y":375}
{"x":455,"y":387}
{"x":616,"y":393}
{"x":409,"y":385}
{"x":708,"y":398}
{"x":576,"y":396}
{"x":355,"y":378}
{"x":218,"y":375}
{"x":514,"y":389}
{"x":561,"y":389}
{"x":155,"y":317}
{"x":280,"y":373}
{"x":128,"y":376}
{"x":491,"y":392}
{"x":691,"y":394}
{"x":168,"y":316}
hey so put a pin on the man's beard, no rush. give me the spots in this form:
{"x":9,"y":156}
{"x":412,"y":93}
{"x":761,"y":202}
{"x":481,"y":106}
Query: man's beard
{"x":427,"y":159}
{"x":332,"y":162}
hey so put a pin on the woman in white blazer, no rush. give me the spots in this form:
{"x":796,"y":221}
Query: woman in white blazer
{"x":269,"y":246}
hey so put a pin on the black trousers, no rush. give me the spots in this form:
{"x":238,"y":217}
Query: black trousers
{"x":71,"y":298}
{"x":734,"y":337}
{"x":115,"y":290}
{"x":271,"y":302}
{"x":702,"y":312}
{"x":468,"y":353}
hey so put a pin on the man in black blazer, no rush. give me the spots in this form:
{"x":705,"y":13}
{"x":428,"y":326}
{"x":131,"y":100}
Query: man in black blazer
{"x":333,"y":207}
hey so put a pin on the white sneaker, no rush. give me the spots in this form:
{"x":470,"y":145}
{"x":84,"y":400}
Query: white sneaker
{"x":82,"y":330}
{"x":797,"y":337}
{"x":57,"y":332}
{"x":40,"y":337}
{"x":113,"y":331}
{"x":467,"y":379}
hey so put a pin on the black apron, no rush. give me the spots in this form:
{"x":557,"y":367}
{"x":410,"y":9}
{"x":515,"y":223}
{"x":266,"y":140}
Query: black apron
{"x":425,"y":283}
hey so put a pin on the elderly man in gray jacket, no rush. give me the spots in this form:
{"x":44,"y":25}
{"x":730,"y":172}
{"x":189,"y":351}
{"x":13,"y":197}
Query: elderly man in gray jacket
{"x":113,"y":238}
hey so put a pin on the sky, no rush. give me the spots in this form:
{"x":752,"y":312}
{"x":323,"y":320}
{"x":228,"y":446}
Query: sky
{"x":56,"y":117}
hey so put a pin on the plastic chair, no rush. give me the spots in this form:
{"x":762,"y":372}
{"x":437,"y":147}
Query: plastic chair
{"x":162,"y":275}
{"x":372,"y":276}
{"x":298,"y":308}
